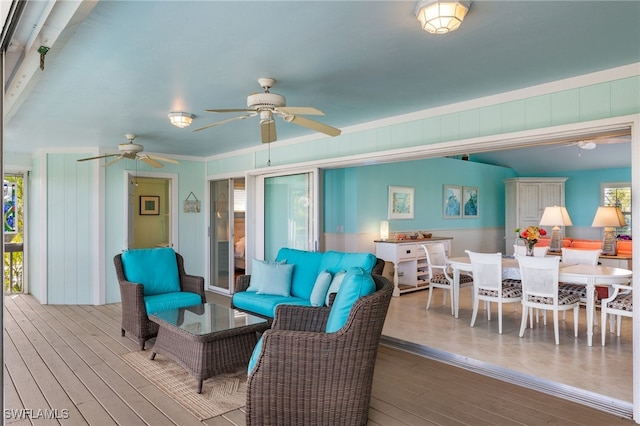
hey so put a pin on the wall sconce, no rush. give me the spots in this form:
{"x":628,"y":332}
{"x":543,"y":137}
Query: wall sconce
{"x":441,"y":17}
{"x":555,"y":216}
{"x":384,"y":230}
{"x":609,"y":217}
{"x":181,"y":119}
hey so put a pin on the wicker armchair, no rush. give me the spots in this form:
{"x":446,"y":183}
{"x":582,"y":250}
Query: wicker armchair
{"x":305,"y":376}
{"x":134,"y":312}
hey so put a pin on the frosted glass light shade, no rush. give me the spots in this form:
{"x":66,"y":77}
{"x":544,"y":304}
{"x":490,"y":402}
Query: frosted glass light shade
{"x":441,"y":17}
{"x":181,"y":119}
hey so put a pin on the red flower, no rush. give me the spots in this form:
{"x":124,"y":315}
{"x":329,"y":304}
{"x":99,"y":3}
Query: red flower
{"x":543,"y":232}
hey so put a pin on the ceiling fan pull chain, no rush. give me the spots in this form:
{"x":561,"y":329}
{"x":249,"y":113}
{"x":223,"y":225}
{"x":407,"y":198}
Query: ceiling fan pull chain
{"x":269,"y":151}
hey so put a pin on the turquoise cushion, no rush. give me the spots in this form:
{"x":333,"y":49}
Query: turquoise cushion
{"x":334,"y":261}
{"x":258,"y":275}
{"x":336,"y":281}
{"x":162,"y":302}
{"x":156,"y":269}
{"x":264,"y":304}
{"x":323,"y":281}
{"x":306,"y":270}
{"x":272,"y":278}
{"x":254,"y":356}
{"x":357,"y":283}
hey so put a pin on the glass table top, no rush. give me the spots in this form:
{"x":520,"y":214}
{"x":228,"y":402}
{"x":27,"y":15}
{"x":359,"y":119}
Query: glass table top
{"x":207,"y":318}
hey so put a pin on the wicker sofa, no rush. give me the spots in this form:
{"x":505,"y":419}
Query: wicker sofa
{"x":306,"y":376}
{"x":152,"y":280}
{"x":306,"y":267}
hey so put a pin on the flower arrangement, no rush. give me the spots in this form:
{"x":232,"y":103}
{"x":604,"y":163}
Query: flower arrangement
{"x":530,"y":235}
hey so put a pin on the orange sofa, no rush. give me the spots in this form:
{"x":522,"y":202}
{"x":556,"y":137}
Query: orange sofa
{"x":624,"y":246}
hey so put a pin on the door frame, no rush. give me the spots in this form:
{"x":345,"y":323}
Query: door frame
{"x":173,"y":204}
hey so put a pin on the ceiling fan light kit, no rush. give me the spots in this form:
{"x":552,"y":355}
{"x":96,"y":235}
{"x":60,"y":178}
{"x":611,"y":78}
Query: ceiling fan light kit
{"x":181,"y":119}
{"x":441,"y":17}
{"x":266,"y":105}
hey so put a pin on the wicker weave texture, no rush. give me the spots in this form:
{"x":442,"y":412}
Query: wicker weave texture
{"x":134,"y":313}
{"x":308,"y":377}
{"x":205,"y":355}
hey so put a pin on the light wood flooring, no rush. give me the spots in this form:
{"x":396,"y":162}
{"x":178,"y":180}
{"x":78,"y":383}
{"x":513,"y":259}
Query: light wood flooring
{"x":65,"y":357}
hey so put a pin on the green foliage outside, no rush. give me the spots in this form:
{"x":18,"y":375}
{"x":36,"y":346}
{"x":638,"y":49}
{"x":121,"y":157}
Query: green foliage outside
{"x":13,"y":261}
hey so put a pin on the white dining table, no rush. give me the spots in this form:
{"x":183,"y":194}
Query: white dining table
{"x":588,"y":275}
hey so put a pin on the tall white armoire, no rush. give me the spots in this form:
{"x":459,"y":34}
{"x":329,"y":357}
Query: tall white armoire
{"x":525,"y":201}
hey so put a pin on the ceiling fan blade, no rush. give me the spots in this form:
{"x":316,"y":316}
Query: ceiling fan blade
{"x":163,"y":159}
{"x":217,"y":123}
{"x":100,"y":156}
{"x":268,"y":131}
{"x":300,"y":110}
{"x":312,"y":124}
{"x":112,"y":161}
{"x":230,"y":110}
{"x":151,"y":161}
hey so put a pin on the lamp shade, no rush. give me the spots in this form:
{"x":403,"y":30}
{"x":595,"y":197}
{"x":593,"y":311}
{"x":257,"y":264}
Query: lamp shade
{"x":609,"y":216}
{"x":181,"y":119}
{"x":440,"y":17}
{"x":555,"y":216}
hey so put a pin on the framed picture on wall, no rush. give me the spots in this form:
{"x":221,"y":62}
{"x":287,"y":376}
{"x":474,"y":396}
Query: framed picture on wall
{"x":149,"y":205}
{"x":401,"y":202}
{"x":452,"y":201}
{"x":470,"y":198}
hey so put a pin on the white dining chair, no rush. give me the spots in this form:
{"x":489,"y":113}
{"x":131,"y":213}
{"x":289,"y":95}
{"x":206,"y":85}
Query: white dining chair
{"x":440,"y":275}
{"x":579,"y":257}
{"x":519,"y":250}
{"x":540,"y":291}
{"x":618,"y":304}
{"x":489,"y":286}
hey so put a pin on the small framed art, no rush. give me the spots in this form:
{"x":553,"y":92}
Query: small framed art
{"x":401,"y":202}
{"x":149,"y":205}
{"x":470,"y":198}
{"x":452,"y":196}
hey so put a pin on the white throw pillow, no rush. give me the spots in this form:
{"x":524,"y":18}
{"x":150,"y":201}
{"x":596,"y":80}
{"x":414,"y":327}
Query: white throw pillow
{"x":319,"y":292}
{"x":335,"y":285}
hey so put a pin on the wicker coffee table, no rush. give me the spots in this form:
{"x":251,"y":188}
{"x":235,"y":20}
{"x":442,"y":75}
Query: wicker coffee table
{"x":207,"y":339}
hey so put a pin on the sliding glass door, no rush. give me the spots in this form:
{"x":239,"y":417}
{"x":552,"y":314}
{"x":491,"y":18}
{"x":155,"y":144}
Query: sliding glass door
{"x":227,"y":229}
{"x":291,"y":215}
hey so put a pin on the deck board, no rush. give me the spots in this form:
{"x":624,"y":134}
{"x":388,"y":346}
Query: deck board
{"x":59,"y":356}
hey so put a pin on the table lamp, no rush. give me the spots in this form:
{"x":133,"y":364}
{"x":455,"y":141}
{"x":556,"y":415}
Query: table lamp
{"x":556,"y":217}
{"x":609,"y":217}
{"x":384,"y":230}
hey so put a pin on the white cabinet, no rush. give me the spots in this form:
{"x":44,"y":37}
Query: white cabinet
{"x":525,"y":201}
{"x":409,"y":261}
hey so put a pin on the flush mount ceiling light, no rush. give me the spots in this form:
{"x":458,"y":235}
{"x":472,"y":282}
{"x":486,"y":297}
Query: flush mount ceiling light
{"x":181,"y":119}
{"x":441,"y":17}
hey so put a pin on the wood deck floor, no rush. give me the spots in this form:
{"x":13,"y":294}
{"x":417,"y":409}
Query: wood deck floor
{"x":60,"y":357}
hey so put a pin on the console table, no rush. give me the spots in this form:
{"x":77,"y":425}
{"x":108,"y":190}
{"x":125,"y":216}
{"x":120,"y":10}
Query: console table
{"x":410,"y":271}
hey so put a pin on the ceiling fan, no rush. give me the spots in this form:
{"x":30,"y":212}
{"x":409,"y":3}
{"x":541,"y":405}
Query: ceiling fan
{"x":592,"y":143}
{"x":133,"y":151}
{"x":267,"y":105}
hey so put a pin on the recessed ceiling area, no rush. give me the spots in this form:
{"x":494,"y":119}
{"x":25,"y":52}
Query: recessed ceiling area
{"x":607,"y":152}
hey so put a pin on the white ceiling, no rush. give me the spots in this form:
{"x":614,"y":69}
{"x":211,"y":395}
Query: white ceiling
{"x":121,"y":66}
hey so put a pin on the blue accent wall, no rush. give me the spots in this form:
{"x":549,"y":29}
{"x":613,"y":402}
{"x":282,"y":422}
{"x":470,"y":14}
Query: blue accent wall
{"x":582,"y":191}
{"x":355,"y":198}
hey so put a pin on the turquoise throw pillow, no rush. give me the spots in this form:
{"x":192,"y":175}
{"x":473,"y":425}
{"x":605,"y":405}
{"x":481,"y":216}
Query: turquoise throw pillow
{"x":156,"y":269}
{"x":273,"y":278}
{"x":319,"y":292}
{"x":357,"y":283}
{"x":336,"y":281}
{"x":258,"y":273}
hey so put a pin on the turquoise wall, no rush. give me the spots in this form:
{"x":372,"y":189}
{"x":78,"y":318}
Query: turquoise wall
{"x":582,"y":191}
{"x":355,"y":198}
